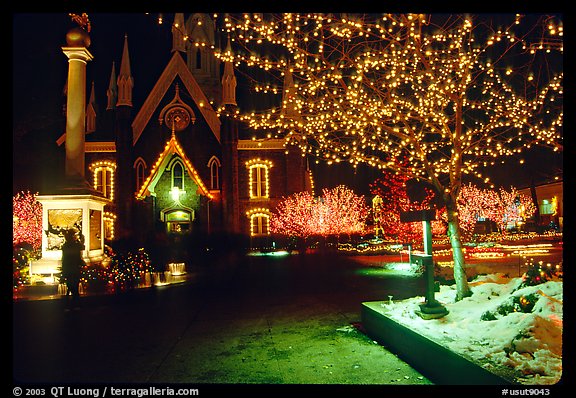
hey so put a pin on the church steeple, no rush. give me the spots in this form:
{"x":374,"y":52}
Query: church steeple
{"x":205,"y":67}
{"x":125,"y":79}
{"x":179,"y":33}
{"x":91,"y":112}
{"x":112,"y":92}
{"x":124,"y":150}
{"x":228,"y":78}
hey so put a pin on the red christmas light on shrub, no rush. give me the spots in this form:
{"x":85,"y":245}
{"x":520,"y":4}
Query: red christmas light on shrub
{"x":26,"y":220}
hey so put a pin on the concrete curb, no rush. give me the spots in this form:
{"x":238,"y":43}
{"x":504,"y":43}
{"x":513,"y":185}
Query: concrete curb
{"x":439,"y":364}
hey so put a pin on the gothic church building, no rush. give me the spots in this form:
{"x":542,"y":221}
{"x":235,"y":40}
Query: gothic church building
{"x":174,"y":163}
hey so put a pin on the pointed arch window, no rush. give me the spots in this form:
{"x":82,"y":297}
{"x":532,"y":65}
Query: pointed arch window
{"x":214,"y":166}
{"x":140,"y":167}
{"x":178,"y":176}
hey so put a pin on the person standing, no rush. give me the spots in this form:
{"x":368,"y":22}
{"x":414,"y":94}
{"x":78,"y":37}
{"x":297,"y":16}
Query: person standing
{"x":72,"y":264}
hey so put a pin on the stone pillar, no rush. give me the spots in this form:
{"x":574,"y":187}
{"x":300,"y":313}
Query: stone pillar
{"x":78,"y":55}
{"x":75,"y":205}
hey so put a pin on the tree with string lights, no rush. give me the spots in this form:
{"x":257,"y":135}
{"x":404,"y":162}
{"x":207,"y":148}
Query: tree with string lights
{"x":344,"y":211}
{"x":26,"y":234}
{"x":474,"y":203}
{"x":339,"y":211}
{"x":513,"y":207}
{"x":501,"y":206}
{"x":292,"y":216}
{"x":454,"y":94}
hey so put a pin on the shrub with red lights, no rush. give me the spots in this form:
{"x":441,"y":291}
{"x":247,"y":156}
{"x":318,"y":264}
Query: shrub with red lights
{"x":26,"y":220}
{"x":26,"y":235}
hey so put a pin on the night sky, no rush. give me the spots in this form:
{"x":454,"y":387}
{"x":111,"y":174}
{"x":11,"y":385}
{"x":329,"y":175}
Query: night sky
{"x":39,"y":76}
{"x":40,"y":73}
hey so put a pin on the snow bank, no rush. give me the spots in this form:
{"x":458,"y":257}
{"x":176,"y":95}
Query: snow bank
{"x":492,"y":327}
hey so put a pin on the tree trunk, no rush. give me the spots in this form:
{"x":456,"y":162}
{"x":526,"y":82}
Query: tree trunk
{"x":462,"y":288}
{"x":537,"y":218}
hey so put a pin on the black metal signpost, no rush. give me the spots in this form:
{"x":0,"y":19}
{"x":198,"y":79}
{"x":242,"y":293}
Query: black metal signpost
{"x":431,"y":308}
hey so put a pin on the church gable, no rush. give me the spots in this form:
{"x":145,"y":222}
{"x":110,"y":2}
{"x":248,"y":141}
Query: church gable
{"x":176,"y":188}
{"x":164,"y":161}
{"x":176,"y":67}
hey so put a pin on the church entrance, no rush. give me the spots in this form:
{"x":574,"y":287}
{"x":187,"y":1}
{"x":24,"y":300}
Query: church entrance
{"x":178,"y":221}
{"x":177,"y":227}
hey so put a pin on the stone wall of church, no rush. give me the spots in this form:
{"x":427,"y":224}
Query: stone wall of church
{"x":286,"y":176}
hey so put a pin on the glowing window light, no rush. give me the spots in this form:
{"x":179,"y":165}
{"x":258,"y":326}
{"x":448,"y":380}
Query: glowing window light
{"x":175,"y":193}
{"x":259,"y":221}
{"x":259,"y":181}
{"x":103,"y":177}
{"x":549,"y":206}
{"x":178,"y":175}
{"x":109,"y":222}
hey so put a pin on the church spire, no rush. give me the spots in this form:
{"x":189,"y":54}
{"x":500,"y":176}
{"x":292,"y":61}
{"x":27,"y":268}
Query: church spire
{"x":91,"y":112}
{"x":228,"y":78}
{"x":112,"y":92}
{"x":179,"y":35}
{"x":125,"y":79}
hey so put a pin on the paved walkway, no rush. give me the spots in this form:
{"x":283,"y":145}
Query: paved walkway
{"x":270,"y":322}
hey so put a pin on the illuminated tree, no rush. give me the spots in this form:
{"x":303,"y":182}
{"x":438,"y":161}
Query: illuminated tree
{"x":513,"y":207}
{"x":500,"y":206}
{"x":292,"y":216}
{"x":454,"y":94}
{"x":26,"y":220}
{"x":474,"y":203}
{"x":342,"y":212}
{"x":338,"y":211}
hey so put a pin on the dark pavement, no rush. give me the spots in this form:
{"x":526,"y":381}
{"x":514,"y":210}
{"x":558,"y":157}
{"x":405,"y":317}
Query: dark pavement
{"x":238,"y":320}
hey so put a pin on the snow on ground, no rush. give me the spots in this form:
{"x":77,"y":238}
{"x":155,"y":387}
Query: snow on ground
{"x":481,"y":328}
